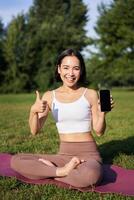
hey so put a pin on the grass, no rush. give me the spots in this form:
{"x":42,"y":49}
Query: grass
{"x":116,"y":146}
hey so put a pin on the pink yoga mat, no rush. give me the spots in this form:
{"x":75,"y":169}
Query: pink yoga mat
{"x":116,"y":179}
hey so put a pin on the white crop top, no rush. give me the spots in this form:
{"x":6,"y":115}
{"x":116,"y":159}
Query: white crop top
{"x":74,"y":117}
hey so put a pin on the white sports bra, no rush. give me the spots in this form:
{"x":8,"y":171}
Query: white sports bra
{"x":74,"y":117}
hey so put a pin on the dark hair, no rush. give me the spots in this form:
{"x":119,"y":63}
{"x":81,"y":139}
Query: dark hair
{"x":71,"y":52}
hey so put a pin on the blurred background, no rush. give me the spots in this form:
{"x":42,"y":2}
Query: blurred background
{"x":34,"y":32}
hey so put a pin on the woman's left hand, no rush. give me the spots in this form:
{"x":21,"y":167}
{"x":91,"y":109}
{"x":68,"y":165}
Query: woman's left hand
{"x":112,"y":102}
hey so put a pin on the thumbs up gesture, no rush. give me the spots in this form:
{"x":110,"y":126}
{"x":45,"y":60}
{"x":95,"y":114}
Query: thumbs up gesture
{"x":40,"y":106}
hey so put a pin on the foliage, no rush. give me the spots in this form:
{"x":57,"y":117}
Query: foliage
{"x":57,"y":25}
{"x":15,"y":52}
{"x":113,"y":64}
{"x":30,"y":44}
{"x":33,"y":42}
{"x":2,"y":60}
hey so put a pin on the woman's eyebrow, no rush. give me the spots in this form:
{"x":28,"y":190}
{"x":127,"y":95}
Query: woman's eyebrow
{"x":65,"y":65}
{"x":69,"y":65}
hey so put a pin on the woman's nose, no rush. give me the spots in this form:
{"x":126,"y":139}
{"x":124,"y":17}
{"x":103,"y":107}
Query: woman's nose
{"x":71,"y":72}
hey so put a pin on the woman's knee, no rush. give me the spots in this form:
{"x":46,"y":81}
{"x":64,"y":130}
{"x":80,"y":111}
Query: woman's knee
{"x":90,"y":176}
{"x":14,"y":161}
{"x":17,"y":161}
{"x":95,"y":176}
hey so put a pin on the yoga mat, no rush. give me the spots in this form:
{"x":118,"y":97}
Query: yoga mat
{"x":116,"y":179}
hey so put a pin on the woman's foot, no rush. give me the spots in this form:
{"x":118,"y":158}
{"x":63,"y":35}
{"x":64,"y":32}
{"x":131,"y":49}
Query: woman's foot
{"x":64,"y":171}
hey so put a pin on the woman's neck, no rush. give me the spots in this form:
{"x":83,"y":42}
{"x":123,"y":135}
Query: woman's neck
{"x":69,"y":89}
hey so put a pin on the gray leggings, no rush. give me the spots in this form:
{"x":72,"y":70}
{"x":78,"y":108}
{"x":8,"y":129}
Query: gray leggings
{"x":85,"y":174}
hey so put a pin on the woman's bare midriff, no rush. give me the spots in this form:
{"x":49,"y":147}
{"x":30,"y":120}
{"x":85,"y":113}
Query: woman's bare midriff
{"x":76,"y":137}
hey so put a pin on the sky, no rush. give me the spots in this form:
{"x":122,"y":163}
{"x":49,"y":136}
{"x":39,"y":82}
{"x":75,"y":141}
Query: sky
{"x":10,"y":8}
{"x":93,"y":14}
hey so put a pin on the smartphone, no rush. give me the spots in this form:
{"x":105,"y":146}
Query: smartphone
{"x":105,"y":100}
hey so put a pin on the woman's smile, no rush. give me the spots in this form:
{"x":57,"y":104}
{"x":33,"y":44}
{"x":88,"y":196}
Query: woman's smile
{"x":69,"y":70}
{"x":70,"y":79}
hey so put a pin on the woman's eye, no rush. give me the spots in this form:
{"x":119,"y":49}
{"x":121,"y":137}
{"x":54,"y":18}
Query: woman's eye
{"x":77,"y":68}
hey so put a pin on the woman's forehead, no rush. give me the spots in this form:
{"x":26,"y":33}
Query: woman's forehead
{"x":69,"y":60}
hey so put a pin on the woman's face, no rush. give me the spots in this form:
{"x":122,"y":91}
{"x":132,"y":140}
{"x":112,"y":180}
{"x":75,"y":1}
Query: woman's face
{"x":69,"y":70}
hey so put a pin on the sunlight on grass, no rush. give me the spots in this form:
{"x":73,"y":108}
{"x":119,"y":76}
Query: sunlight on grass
{"x":116,"y":146}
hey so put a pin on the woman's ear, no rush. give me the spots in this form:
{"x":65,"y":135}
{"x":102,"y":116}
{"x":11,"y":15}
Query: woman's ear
{"x":58,"y":69}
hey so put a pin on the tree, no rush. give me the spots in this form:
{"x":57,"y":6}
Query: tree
{"x":2,"y":60}
{"x":15,"y":52}
{"x":55,"y":26}
{"x":115,"y":29}
{"x":33,"y":42}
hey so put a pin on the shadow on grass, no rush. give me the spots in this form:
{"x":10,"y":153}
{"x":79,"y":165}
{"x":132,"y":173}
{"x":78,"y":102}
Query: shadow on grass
{"x":114,"y":148}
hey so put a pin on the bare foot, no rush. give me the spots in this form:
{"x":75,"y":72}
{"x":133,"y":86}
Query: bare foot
{"x":47,"y":162}
{"x":64,"y":171}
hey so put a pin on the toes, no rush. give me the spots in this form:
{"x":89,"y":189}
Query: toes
{"x":82,"y":161}
{"x":75,"y":160}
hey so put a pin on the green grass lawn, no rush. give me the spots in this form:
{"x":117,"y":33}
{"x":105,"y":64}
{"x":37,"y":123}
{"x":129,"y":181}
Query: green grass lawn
{"x":116,"y":146}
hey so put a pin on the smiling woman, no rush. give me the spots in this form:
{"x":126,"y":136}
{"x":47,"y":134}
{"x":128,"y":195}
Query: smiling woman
{"x":69,"y":70}
{"x":71,"y":67}
{"x":76,"y":111}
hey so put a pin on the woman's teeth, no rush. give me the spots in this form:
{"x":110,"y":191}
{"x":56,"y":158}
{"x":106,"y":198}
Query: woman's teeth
{"x":70,"y":79}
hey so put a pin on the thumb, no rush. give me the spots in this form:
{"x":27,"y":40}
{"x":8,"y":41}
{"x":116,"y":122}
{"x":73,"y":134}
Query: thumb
{"x":38,"y":95}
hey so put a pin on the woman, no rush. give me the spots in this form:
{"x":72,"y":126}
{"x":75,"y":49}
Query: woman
{"x":76,"y":111}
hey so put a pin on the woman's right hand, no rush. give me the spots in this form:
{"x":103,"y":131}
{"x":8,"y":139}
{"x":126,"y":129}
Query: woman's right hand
{"x":40,"y":106}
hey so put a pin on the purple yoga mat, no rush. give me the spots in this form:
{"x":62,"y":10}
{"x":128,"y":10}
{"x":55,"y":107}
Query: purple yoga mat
{"x":116,"y":179}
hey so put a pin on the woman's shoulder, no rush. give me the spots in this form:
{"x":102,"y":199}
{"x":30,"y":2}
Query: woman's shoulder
{"x":91,"y":95}
{"x":91,"y":92}
{"x":47,"y":95}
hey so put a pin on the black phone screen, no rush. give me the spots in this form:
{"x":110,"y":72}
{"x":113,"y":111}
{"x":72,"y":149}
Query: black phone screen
{"x":105,"y":100}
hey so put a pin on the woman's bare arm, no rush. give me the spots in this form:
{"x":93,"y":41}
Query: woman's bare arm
{"x":98,"y":117}
{"x":39,"y":112}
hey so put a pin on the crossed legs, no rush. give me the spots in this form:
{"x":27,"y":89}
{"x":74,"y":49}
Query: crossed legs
{"x":66,"y":169}
{"x":36,"y":166}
